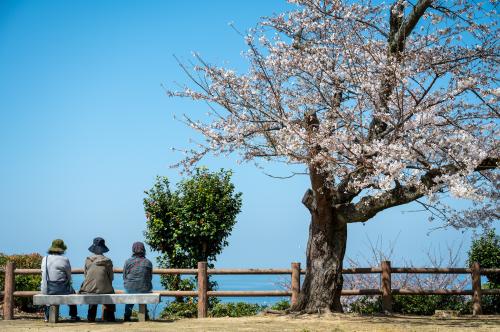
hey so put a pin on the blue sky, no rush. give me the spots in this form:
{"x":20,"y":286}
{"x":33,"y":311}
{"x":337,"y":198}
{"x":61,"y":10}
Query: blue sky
{"x":85,"y":127}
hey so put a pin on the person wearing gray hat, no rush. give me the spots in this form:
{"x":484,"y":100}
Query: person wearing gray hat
{"x":137,"y":275}
{"x":98,"y":273}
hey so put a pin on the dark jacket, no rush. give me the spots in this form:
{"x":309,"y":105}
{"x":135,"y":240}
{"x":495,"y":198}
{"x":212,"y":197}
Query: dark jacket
{"x":137,"y":275}
{"x":98,"y":275}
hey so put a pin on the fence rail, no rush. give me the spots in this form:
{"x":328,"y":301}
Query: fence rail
{"x":385,"y":290}
{"x":358,"y":270}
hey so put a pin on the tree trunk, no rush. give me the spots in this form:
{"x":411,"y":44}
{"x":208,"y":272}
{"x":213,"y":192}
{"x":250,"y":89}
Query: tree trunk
{"x":325,"y":253}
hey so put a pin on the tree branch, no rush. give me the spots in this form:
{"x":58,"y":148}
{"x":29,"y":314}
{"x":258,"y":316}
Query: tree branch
{"x":369,"y":206}
{"x":403,"y":30}
{"x":400,"y":29}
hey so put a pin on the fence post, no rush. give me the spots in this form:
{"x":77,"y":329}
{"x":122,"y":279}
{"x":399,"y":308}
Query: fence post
{"x":386,"y":287}
{"x":295,"y":284}
{"x":202,"y":290}
{"x":8,"y":296}
{"x":476,"y":289}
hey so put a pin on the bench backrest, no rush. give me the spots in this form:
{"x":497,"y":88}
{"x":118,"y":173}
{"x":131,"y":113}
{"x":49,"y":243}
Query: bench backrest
{"x":96,"y":299}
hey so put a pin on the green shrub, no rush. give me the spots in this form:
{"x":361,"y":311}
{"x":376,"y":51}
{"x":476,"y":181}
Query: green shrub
{"x":23,"y":282}
{"x":428,"y":304}
{"x":486,"y":251}
{"x":412,"y":304}
{"x":189,"y":309}
{"x":191,"y":223}
{"x":176,"y":310}
{"x":490,"y":304}
{"x":281,"y":305}
{"x":238,"y":309}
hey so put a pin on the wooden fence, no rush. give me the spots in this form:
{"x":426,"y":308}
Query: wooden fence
{"x":385,"y":290}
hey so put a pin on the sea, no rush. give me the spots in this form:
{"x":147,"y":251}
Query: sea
{"x":224,"y":282}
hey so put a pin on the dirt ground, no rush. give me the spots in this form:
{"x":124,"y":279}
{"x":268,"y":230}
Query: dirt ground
{"x":303,"y":323}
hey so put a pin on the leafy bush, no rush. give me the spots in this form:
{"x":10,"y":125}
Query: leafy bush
{"x":191,"y":223}
{"x":412,"y":304}
{"x":189,"y":309}
{"x":490,"y":304}
{"x":175,"y":309}
{"x":428,"y":304}
{"x":238,"y":309}
{"x":281,"y":305}
{"x":185,"y":307}
{"x":23,"y":282}
{"x":486,"y":251}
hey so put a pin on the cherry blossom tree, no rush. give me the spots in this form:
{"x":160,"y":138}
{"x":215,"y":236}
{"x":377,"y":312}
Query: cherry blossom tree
{"x":383,"y":105}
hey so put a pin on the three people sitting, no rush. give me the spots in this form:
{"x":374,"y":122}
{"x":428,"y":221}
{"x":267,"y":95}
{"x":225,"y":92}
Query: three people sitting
{"x":98,"y":272}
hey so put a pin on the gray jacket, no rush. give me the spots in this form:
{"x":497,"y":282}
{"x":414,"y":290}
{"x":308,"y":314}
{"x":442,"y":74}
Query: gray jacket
{"x":58,"y":268}
{"x":137,"y":275}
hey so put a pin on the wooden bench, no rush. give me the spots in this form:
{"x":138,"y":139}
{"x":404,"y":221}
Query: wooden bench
{"x":56,"y":300}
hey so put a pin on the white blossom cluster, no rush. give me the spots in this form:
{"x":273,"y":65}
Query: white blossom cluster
{"x":323,"y":90}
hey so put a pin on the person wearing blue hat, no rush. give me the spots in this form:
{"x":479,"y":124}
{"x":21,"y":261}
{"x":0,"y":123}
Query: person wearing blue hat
{"x":98,"y":273}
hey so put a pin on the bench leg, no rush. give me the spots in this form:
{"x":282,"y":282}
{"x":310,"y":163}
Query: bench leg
{"x":53,"y":314}
{"x":142,"y":313}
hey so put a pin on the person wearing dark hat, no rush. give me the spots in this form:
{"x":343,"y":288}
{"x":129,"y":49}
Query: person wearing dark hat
{"x":137,"y":275}
{"x":56,"y":276}
{"x":98,"y":274}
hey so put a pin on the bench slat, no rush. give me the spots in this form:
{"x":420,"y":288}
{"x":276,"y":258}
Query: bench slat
{"x":96,"y":299}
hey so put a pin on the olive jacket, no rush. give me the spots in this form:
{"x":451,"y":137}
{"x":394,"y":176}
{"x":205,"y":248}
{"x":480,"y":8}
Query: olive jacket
{"x":98,"y":273}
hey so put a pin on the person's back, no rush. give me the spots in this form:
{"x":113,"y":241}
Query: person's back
{"x":56,"y":275}
{"x":137,"y":275}
{"x":98,"y":275}
{"x":56,"y":268}
{"x":99,"y":279}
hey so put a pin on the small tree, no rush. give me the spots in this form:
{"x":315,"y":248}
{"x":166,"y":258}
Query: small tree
{"x":193,"y":222}
{"x":486,"y":251}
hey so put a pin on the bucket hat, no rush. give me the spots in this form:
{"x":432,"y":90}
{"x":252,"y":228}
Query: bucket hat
{"x":98,"y":246}
{"x":57,"y":246}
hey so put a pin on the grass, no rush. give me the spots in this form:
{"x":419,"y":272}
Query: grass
{"x":273,"y":323}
